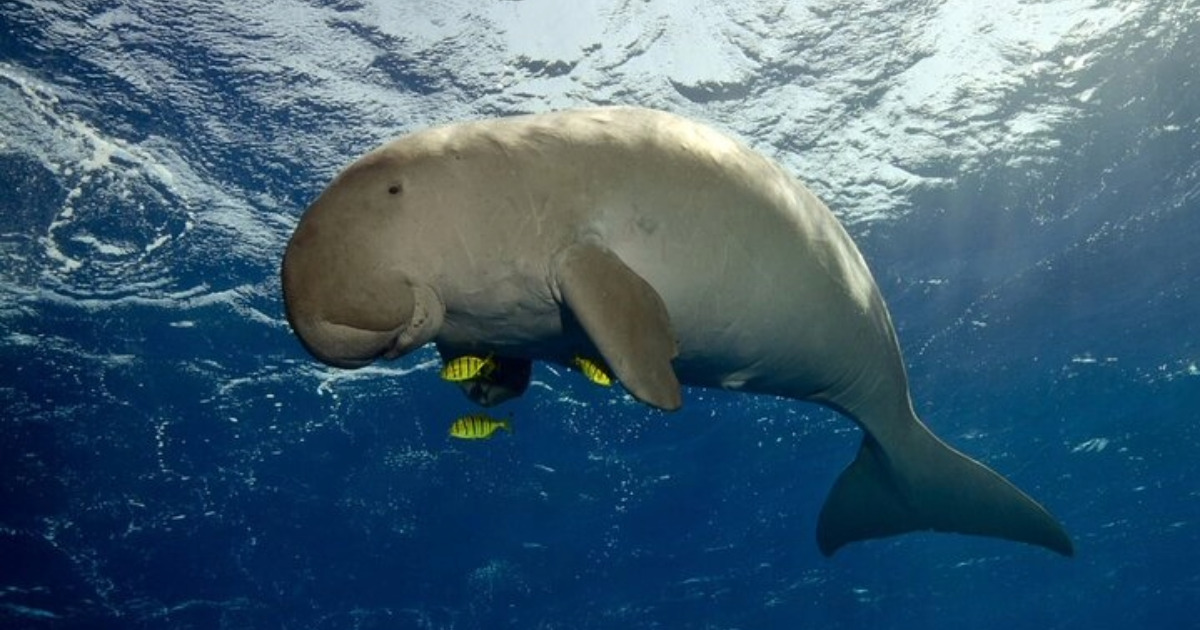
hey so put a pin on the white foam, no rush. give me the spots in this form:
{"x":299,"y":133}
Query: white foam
{"x":22,"y":339}
{"x":332,"y":376}
{"x":84,"y":158}
{"x":102,"y":247}
{"x":1094,"y":445}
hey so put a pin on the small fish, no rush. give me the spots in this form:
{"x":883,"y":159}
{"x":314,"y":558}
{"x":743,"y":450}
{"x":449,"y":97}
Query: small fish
{"x":593,"y":370}
{"x":477,"y":427}
{"x":468,"y":367}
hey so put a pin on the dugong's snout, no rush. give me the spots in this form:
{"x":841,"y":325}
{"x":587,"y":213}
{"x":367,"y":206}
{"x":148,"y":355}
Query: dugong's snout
{"x":354,"y":345}
{"x":347,"y":309}
{"x":340,"y":345}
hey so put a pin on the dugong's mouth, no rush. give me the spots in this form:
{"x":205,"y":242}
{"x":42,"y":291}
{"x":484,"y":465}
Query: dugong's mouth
{"x":426,"y":322}
{"x":349,"y":344}
{"x":342,"y":345}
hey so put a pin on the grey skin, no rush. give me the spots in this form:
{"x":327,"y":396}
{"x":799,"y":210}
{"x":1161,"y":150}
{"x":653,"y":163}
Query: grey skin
{"x":668,"y":249}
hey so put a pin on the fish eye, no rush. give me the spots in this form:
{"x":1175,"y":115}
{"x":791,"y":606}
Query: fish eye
{"x":394,"y":189}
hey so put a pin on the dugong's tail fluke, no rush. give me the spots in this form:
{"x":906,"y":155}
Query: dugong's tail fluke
{"x":920,"y":483}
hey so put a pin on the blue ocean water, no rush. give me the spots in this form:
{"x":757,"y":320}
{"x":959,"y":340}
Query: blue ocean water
{"x":1023,"y":180}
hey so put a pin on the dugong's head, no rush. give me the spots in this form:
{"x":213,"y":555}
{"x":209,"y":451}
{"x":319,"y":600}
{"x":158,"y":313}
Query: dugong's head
{"x":356,"y":283}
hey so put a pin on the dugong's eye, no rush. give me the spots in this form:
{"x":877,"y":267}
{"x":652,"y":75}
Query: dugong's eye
{"x":394,"y":189}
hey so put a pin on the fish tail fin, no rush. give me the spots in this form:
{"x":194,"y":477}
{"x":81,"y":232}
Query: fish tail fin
{"x":920,"y":483}
{"x":506,"y":425}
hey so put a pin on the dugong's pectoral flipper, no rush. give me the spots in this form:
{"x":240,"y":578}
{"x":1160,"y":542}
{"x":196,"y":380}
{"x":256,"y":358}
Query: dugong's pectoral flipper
{"x":624,"y":317}
{"x":919,"y":483}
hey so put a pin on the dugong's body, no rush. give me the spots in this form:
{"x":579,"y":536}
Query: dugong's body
{"x":672,"y":251}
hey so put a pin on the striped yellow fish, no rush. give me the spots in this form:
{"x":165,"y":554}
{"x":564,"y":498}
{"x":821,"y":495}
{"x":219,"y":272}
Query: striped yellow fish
{"x":593,"y":370}
{"x":477,"y":427}
{"x":468,"y":367}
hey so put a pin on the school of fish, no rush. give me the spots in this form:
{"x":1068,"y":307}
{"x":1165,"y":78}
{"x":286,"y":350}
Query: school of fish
{"x":468,"y":368}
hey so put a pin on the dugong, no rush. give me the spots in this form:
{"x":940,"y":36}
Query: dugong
{"x":673,"y":252}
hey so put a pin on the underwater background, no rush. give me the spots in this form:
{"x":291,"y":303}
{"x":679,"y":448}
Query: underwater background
{"x":1022,"y":177}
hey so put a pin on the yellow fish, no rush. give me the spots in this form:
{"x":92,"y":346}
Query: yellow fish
{"x":467,"y":367}
{"x":593,"y":370}
{"x":477,"y":427}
